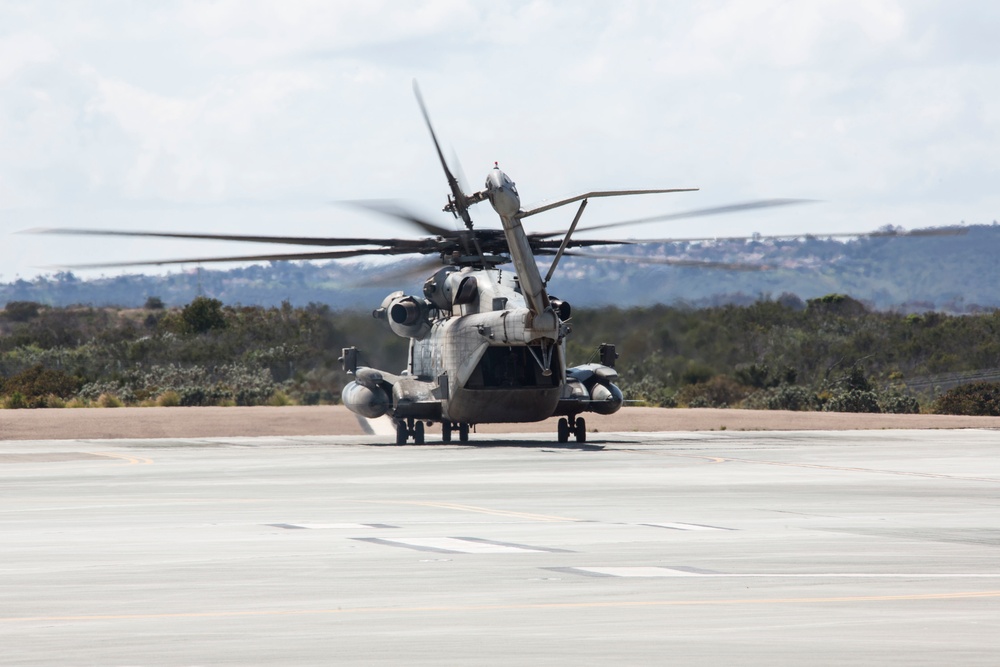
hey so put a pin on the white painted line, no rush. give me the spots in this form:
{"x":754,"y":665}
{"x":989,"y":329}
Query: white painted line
{"x":457,"y":546}
{"x":653,"y":571}
{"x":335,"y":526}
{"x":637,"y":572}
{"x":326,"y":526}
{"x":685,"y":526}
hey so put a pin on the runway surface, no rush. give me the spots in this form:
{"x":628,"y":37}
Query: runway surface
{"x":758,"y":548}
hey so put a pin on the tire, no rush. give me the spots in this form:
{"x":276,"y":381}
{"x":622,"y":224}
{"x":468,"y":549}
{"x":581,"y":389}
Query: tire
{"x":418,"y":433}
{"x":563,"y":430}
{"x":446,"y":431}
{"x":580,"y":430}
{"x":401,"y":433}
{"x":463,"y":432}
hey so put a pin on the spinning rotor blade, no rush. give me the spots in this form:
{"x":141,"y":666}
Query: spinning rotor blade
{"x":939,"y":231}
{"x":592,"y":195}
{"x":394,"y":210}
{"x":288,"y":240}
{"x":541,"y":243}
{"x":671,"y":261}
{"x":461,"y":205}
{"x":332,"y":254}
{"x":418,"y":269}
{"x":696,"y":213}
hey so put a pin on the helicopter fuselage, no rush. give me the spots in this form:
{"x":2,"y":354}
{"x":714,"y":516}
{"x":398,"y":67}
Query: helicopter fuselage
{"x":489,"y":357}
{"x":486,"y":344}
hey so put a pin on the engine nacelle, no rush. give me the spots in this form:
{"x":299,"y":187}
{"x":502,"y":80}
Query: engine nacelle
{"x":607,"y":398}
{"x":370,"y":402}
{"x":408,"y":316}
{"x":599,"y":382}
{"x":451,"y":287}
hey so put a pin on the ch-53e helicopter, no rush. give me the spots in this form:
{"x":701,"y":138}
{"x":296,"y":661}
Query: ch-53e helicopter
{"x":486,"y":344}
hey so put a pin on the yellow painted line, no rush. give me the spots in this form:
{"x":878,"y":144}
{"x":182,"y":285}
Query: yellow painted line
{"x":904,"y":473}
{"x":132,"y":460}
{"x":969,"y":595}
{"x":479,"y":510}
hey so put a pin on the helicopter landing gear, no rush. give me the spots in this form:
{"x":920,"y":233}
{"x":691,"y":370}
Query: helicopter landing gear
{"x":408,"y":429}
{"x":463,"y":432}
{"x":445,"y":431}
{"x":575,"y":425}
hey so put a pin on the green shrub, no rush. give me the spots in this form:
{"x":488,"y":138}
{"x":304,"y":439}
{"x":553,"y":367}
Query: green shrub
{"x":168,"y":399}
{"x":896,"y":402}
{"x":203,"y":314}
{"x":853,"y":400}
{"x":109,"y":401}
{"x":974,"y":399}
{"x":784,"y":397}
{"x":21,"y":311}
{"x":721,"y":391}
{"x":279,"y":399}
{"x":35,"y":384}
{"x":15,"y":401}
{"x":648,"y":391}
{"x":53,"y":401}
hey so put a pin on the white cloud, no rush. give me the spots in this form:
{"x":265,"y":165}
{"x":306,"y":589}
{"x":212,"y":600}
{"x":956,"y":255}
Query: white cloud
{"x":886,"y":109}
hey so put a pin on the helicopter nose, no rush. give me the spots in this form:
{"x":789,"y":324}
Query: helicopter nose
{"x":502,"y":193}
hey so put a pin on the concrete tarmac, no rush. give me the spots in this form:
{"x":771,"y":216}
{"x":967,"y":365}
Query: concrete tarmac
{"x":753,"y":548}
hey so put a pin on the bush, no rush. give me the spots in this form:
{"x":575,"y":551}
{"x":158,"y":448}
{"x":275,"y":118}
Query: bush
{"x":279,"y":399}
{"x":168,"y":399}
{"x":650,"y":392}
{"x":896,"y":402}
{"x":52,"y":401}
{"x":109,"y":401}
{"x":975,"y":399}
{"x":784,"y":397}
{"x":21,"y":311}
{"x":721,"y":391}
{"x":34,"y":385}
{"x":15,"y":401}
{"x":203,"y":314}
{"x":188,"y":386}
{"x":853,"y":400}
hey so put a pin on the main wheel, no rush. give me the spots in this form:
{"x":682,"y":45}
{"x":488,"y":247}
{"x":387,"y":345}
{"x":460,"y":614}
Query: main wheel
{"x":445,"y":431}
{"x":418,"y":433}
{"x":402,"y":433}
{"x":463,"y":432}
{"x":563,"y":430}
{"x":580,"y":429}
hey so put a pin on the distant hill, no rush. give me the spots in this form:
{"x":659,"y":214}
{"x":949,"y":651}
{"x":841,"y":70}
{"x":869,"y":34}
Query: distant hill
{"x":950,"y":273}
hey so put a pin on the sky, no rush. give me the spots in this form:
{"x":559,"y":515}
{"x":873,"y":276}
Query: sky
{"x":259,"y":117}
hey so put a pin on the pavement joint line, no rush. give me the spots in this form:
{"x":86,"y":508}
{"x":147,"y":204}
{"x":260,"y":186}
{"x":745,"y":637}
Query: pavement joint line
{"x":960,"y":595}
{"x":816,"y":466}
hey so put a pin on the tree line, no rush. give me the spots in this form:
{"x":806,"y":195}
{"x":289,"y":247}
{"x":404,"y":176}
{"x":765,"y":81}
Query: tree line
{"x":829,"y":353}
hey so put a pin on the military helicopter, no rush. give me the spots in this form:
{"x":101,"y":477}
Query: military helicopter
{"x":486,"y":344}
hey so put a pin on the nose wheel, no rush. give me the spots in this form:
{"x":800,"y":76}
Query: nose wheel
{"x":575,"y":426}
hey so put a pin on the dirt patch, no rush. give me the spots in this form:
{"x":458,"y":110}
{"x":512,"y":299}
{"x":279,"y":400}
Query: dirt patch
{"x":111,"y":423}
